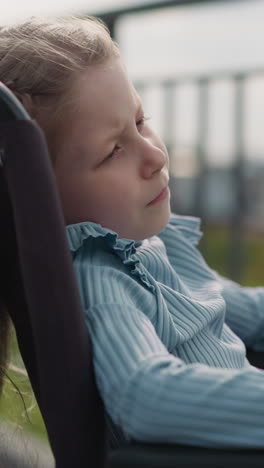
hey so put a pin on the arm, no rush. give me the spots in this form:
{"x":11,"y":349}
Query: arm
{"x":244,"y":306}
{"x":245,"y":312}
{"x":155,"y":397}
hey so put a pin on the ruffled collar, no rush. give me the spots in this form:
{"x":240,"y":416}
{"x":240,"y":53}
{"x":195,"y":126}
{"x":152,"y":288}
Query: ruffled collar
{"x":126,"y":249}
{"x":78,"y":233}
{"x":188,"y":226}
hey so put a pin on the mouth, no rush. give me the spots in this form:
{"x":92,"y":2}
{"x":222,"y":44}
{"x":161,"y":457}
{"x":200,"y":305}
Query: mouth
{"x":162,"y":196}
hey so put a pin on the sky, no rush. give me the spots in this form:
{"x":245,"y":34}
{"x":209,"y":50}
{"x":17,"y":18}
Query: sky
{"x":12,"y":10}
{"x":200,"y":39}
{"x":227,"y":35}
{"x":188,"y":40}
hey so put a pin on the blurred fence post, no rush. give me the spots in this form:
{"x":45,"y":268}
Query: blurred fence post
{"x":199,"y":207}
{"x":236,"y":234}
{"x":169,"y":115}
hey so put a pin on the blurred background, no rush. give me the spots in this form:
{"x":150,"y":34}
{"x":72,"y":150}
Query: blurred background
{"x":199,"y":68}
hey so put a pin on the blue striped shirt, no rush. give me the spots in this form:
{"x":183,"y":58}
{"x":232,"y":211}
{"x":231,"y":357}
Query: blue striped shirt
{"x":169,"y":337}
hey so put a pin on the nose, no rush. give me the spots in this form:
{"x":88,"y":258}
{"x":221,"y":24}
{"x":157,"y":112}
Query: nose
{"x":154,"y":158}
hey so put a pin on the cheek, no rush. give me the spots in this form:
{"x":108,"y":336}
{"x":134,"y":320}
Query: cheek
{"x":73,"y":195}
{"x":118,"y":198}
{"x":115,"y":201}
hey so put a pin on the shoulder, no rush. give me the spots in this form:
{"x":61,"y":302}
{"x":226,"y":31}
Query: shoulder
{"x":105,"y":265}
{"x":94,"y":242}
{"x":185,"y":228}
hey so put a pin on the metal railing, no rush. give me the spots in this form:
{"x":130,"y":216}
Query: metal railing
{"x":237,"y":169}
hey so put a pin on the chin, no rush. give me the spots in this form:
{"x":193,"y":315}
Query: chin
{"x":163,"y":221}
{"x":156,"y":227}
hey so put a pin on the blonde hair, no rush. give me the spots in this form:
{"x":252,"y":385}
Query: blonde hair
{"x":40,"y":57}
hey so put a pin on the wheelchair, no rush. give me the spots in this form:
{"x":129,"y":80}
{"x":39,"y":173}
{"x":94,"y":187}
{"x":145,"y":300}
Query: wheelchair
{"x":39,"y":290}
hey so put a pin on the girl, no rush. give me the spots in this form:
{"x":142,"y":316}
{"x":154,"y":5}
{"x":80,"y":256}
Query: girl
{"x":168,"y":333}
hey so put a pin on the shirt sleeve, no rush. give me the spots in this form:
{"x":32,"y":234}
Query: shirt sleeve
{"x":154,"y":396}
{"x":244,"y":306}
{"x":245,"y":312}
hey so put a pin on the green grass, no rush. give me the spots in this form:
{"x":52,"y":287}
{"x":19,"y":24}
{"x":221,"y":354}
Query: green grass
{"x":216,"y":247}
{"x":217,"y":252}
{"x":17,"y":403}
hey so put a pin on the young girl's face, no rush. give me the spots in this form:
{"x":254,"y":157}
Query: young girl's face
{"x":111,"y":168}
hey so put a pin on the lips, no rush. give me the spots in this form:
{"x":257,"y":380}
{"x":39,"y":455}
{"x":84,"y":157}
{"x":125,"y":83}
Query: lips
{"x":161,"y":196}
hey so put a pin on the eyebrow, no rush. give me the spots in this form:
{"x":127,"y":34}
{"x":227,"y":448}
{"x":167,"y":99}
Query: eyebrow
{"x":115,"y":128}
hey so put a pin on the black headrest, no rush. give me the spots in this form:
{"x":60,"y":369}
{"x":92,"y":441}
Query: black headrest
{"x":38,"y":287}
{"x":10,"y":106}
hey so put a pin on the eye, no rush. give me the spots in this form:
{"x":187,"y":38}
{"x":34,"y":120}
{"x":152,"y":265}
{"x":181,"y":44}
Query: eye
{"x":112,"y":154}
{"x":140,"y":122}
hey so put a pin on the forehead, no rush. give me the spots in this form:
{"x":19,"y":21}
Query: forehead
{"x":103,"y":92}
{"x":99,"y":107}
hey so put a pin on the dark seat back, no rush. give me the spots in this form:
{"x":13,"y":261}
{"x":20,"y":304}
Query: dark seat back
{"x":38,"y":287}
